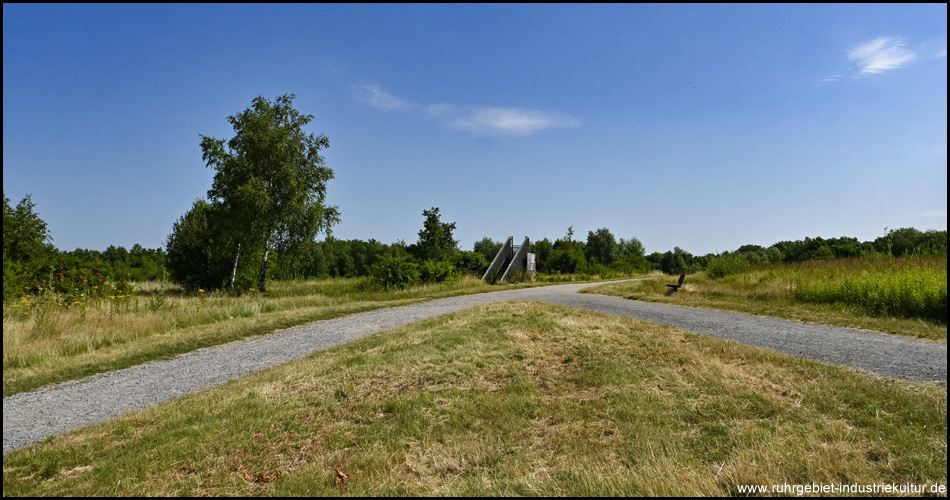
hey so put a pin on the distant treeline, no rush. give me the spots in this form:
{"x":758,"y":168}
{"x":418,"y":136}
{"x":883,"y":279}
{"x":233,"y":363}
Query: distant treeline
{"x":896,"y":242}
{"x":32,"y":263}
{"x":602,"y":253}
{"x":30,"y":260}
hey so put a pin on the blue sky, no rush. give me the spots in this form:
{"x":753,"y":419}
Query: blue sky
{"x":700,"y":126}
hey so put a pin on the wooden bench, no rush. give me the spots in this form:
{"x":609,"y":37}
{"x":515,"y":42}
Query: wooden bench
{"x":678,"y":284}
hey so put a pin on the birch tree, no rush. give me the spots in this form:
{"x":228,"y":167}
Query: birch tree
{"x":270,"y":180}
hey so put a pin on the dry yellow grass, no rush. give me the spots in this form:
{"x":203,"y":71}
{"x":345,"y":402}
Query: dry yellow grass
{"x":44,"y":342}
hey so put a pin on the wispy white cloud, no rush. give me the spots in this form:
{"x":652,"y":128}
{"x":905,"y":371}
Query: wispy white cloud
{"x":499,"y":121}
{"x":881,"y":54}
{"x":378,"y":98}
{"x":935,"y":214}
{"x":479,"y":120}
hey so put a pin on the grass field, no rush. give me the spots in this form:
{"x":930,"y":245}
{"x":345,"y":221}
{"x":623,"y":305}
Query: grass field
{"x":511,"y":399}
{"x":901,"y":296}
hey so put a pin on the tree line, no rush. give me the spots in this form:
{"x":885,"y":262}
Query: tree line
{"x":31,"y":262}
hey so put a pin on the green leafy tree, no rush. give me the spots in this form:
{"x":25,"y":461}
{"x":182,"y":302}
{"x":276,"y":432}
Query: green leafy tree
{"x":602,"y":246}
{"x":630,"y":248}
{"x":27,"y":245}
{"x":194,"y":259}
{"x":542,"y":250}
{"x":487,"y":247}
{"x":908,"y":241}
{"x":270,"y":180}
{"x":567,"y":260}
{"x":630,"y":257}
{"x":435,"y":238}
{"x":25,"y":235}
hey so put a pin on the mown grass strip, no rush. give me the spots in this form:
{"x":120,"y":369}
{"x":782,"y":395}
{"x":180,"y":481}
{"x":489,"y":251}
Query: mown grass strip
{"x":511,"y":399}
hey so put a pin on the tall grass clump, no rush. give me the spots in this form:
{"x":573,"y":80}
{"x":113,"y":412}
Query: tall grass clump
{"x":910,"y":292}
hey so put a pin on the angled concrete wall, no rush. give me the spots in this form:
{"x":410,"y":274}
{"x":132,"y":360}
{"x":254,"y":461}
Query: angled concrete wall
{"x":504,"y":253}
{"x":520,"y":260}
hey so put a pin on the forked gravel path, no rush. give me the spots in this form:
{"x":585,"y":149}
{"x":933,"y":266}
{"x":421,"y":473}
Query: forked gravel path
{"x":30,"y":417}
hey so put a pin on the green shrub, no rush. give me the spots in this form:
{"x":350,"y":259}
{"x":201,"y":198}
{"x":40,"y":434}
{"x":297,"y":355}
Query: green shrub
{"x":568,"y":261}
{"x":726,"y":265}
{"x":195,"y":259}
{"x":433,"y":271}
{"x":71,"y":284}
{"x":632,"y":264}
{"x":394,"y":273}
{"x":14,"y":285}
{"x":470,"y":262}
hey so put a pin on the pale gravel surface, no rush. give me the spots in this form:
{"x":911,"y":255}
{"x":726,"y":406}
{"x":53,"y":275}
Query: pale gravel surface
{"x":30,"y":417}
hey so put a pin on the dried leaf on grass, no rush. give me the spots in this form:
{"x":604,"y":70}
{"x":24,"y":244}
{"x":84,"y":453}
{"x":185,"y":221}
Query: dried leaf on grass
{"x":341,"y":477}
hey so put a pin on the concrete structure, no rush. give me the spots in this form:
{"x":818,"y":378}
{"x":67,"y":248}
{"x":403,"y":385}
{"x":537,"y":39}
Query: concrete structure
{"x":510,"y":260}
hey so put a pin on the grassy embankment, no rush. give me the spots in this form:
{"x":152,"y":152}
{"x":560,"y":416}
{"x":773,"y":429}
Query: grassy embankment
{"x":906,"y":296}
{"x":511,"y":399}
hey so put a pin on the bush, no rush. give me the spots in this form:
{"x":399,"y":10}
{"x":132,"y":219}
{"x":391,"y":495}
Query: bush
{"x":726,"y":265}
{"x":632,"y":264}
{"x":438,"y":271}
{"x":568,"y":261}
{"x":71,"y":284}
{"x":470,"y":262}
{"x":13,"y":281}
{"x":394,"y":273}
{"x":194,"y":260}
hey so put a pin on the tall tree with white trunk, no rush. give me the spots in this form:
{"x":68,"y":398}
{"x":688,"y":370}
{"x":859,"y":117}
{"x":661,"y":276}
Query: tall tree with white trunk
{"x":270,"y":180}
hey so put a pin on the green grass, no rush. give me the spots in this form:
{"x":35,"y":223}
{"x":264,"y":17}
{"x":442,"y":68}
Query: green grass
{"x":906,"y":296}
{"x":511,"y":399}
{"x":903,"y":291}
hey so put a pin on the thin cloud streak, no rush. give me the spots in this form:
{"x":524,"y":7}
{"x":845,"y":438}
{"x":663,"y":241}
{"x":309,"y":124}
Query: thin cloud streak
{"x":478,"y":120}
{"x":378,"y":98}
{"x":881,"y":54}
{"x":500,"y":121}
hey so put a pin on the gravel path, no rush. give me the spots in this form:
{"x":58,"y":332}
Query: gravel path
{"x":30,"y":417}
